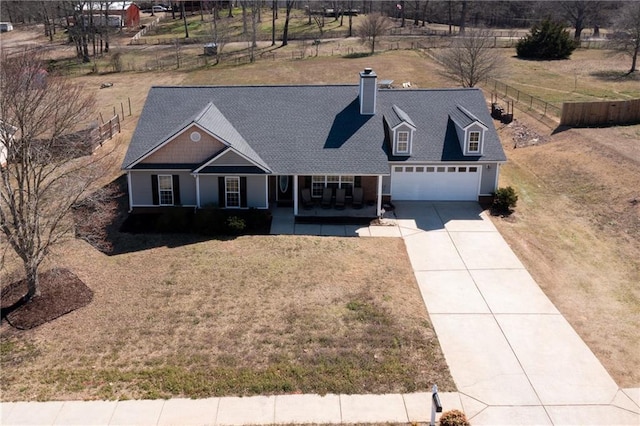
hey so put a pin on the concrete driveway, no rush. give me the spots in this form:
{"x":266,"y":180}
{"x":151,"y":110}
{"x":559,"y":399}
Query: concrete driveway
{"x":513,"y":356}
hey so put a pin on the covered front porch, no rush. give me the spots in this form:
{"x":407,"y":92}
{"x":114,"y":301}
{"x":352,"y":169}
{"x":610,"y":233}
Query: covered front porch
{"x":363,"y":195}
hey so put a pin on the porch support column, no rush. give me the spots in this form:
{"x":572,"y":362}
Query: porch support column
{"x":295,"y":195}
{"x":197,"y":190}
{"x":379,"y":206}
{"x":130,"y":191}
{"x":266,"y":191}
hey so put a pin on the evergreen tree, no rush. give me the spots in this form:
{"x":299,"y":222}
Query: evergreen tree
{"x":547,"y":40}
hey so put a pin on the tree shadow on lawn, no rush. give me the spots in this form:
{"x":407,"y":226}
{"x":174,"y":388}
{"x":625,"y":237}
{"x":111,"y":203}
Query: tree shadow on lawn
{"x":616,"y":76}
{"x":102,"y":220}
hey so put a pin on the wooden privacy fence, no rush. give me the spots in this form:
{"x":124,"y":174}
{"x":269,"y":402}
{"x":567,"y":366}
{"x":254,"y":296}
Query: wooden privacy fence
{"x":110,"y":128}
{"x":600,"y":113}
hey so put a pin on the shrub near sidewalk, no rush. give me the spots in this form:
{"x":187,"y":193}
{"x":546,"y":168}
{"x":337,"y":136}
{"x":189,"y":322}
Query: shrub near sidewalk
{"x":453,"y":418}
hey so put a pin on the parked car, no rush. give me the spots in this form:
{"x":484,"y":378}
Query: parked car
{"x":158,"y":8}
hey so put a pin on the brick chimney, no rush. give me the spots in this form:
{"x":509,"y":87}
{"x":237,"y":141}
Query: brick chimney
{"x":368,"y":91}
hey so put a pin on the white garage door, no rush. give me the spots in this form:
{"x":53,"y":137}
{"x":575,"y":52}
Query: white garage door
{"x":444,"y":183}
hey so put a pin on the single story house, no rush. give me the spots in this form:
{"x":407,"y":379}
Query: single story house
{"x":260,"y":146}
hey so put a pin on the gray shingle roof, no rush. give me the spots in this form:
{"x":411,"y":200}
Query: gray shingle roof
{"x":399,"y":116}
{"x":212,"y":120}
{"x":313,"y":129}
{"x":463,"y":117}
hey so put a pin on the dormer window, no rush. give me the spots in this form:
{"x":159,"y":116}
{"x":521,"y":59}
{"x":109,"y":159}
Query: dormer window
{"x":470,"y":131}
{"x":474,"y":142}
{"x":402,"y":145}
{"x":401,"y":131}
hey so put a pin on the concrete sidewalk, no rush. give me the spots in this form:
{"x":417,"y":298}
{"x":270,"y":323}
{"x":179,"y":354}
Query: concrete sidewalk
{"x":513,"y":356}
{"x":281,"y":409}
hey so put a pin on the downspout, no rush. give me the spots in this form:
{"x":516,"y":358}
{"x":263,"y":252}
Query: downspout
{"x":379,"y":207}
{"x":130,"y":193}
{"x":197,"y":190}
{"x":295,"y":195}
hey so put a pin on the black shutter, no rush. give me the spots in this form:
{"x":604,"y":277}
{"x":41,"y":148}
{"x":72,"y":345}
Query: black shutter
{"x":222,"y":198}
{"x":243,"y":191}
{"x":154,"y":190}
{"x":176,"y":190}
{"x":357,"y":181}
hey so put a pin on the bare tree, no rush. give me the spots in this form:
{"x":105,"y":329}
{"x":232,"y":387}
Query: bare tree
{"x":285,"y":31}
{"x":471,"y":58}
{"x":184,"y":20}
{"x":274,"y":16}
{"x":46,"y":172}
{"x":373,"y":26}
{"x":581,"y":13}
{"x":627,"y":36}
{"x":219,"y":31}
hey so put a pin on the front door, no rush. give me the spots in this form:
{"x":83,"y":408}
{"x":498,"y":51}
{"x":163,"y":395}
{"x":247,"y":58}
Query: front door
{"x":284,"y":190}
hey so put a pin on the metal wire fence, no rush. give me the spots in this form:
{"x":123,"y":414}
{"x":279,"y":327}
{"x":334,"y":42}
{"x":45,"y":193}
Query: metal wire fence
{"x":524,"y":99}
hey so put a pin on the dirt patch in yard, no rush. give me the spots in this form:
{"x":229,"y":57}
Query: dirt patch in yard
{"x":577,"y":229}
{"x":61,"y":292}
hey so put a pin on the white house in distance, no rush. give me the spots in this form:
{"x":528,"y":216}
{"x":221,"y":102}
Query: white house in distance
{"x":6,"y":133}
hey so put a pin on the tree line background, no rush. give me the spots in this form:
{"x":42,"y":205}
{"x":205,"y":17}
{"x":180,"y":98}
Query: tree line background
{"x":579,"y":14}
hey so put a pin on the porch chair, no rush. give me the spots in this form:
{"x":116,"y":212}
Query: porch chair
{"x":358,"y":198}
{"x":307,"y":201}
{"x":340,"y":198}
{"x":327,"y":193}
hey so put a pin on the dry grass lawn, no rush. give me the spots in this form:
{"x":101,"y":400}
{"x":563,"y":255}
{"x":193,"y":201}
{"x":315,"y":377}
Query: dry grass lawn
{"x":251,"y":315}
{"x":590,"y":75}
{"x":577,"y":229}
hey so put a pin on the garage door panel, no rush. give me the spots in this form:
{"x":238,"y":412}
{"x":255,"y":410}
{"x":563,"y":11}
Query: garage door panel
{"x":443,"y":183}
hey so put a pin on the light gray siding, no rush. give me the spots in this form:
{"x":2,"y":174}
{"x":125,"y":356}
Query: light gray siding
{"x":187,"y":189}
{"x":256,"y":191}
{"x":208,"y":191}
{"x":141,"y":191}
{"x":488,"y":180}
{"x":231,"y":159}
